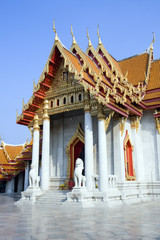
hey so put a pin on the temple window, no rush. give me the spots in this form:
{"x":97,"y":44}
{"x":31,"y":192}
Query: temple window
{"x":72,"y":99}
{"x":57,"y":102}
{"x":80,"y":97}
{"x":64,"y":100}
{"x":51,"y":104}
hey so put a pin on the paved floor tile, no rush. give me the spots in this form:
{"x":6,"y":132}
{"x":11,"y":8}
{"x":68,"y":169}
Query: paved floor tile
{"x":128,"y":222}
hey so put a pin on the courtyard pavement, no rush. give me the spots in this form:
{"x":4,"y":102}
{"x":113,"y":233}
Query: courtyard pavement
{"x":136,"y":221}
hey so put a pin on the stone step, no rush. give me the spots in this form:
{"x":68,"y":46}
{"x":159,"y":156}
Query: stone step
{"x":52,"y":198}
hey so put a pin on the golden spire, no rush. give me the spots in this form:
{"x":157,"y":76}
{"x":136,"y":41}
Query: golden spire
{"x":89,"y":41}
{"x":74,"y":40}
{"x":34,"y":85}
{"x":54,"y":29}
{"x":99,"y":41}
{"x":17,"y":113}
{"x":151,"y":46}
{"x":23,"y":102}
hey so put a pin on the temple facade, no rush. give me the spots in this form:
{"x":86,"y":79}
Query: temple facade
{"x":104,"y":111}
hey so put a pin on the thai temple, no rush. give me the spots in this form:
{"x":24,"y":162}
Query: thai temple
{"x":90,"y":106}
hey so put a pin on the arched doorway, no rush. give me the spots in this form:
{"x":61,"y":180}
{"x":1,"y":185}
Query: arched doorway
{"x":74,"y":150}
{"x":128,"y":148}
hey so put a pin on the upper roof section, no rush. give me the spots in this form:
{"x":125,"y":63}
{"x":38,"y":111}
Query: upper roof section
{"x":121,"y":86}
{"x":136,"y":67}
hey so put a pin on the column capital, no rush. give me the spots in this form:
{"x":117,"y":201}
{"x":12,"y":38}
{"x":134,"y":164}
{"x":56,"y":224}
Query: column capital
{"x":100,"y":115}
{"x":157,"y":121}
{"x":86,"y":102}
{"x":45,"y":110}
{"x":36,"y":126}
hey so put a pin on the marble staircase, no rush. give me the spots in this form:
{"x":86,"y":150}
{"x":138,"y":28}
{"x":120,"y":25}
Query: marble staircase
{"x":53,"y":198}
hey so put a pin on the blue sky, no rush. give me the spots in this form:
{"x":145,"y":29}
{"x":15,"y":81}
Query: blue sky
{"x":26,"y":38}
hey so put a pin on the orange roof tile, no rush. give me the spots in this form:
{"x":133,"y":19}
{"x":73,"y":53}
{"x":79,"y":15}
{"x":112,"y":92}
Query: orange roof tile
{"x":154,"y":81}
{"x":152,"y":103}
{"x":3,"y":159}
{"x":152,"y":95}
{"x":13,"y":151}
{"x":136,"y":67}
{"x":74,"y":60}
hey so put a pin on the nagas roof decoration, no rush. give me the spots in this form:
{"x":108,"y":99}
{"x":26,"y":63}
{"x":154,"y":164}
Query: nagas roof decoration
{"x":126,"y":86}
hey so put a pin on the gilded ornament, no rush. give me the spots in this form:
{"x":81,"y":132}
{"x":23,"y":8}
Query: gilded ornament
{"x":36,"y":126}
{"x":135,"y":122}
{"x":108,"y":120}
{"x":122,"y":122}
{"x":157,"y":120}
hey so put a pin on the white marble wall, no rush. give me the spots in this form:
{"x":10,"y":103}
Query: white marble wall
{"x":149,"y":146}
{"x":146,"y":154}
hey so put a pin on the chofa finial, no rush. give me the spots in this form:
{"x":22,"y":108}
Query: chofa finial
{"x":151,"y":46}
{"x":74,"y":40}
{"x":99,"y":39}
{"x":54,"y":29}
{"x":89,"y":41}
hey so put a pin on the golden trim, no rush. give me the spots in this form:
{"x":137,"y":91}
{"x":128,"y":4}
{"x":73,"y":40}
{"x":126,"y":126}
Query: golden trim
{"x":108,"y":120}
{"x":36,"y":126}
{"x":128,"y":177}
{"x":157,"y":121}
{"x":122,"y":122}
{"x":135,"y":122}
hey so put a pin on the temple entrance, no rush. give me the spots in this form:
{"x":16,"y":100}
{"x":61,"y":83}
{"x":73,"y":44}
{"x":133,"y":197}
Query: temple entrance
{"x":74,"y":150}
{"x":128,"y":148}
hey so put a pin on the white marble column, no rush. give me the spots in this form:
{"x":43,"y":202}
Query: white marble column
{"x":119,"y":165}
{"x":26,"y":178}
{"x":10,"y":186}
{"x":45,"y":148}
{"x":158,"y":151}
{"x":35,"y":148}
{"x":20,"y":182}
{"x":88,"y":144}
{"x":102,"y":153}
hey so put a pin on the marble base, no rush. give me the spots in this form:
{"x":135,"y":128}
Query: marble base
{"x":30,"y":196}
{"x":86,"y":198}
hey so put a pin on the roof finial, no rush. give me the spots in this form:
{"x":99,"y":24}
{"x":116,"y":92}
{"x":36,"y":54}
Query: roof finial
{"x":89,"y":41}
{"x":54,"y":29}
{"x":74,"y":40}
{"x":17,"y":113}
{"x":23,"y":102}
{"x":151,"y":46}
{"x":99,"y":42}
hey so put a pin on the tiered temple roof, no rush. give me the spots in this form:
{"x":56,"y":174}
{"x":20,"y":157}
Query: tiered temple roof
{"x":127,"y":87}
{"x":9,"y":166}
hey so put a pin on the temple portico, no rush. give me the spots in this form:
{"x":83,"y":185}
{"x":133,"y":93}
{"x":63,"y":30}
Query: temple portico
{"x":86,"y":107}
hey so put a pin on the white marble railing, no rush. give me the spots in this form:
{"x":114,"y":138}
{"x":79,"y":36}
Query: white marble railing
{"x":112,"y":181}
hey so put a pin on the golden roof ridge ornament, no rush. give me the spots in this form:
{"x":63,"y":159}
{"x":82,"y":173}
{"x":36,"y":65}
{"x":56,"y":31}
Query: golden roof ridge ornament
{"x":74,"y":40}
{"x":151,"y":46}
{"x":99,"y":39}
{"x":89,"y":41}
{"x":54,"y":29}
